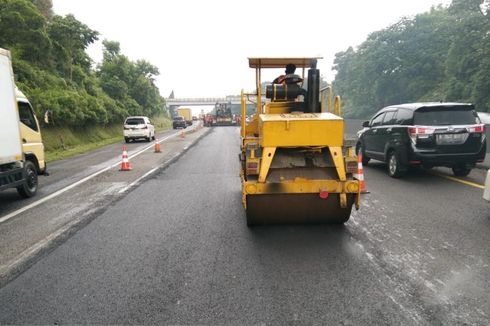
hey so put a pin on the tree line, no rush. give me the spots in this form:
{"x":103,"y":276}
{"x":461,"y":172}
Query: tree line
{"x":52,"y":68}
{"x":440,"y":55}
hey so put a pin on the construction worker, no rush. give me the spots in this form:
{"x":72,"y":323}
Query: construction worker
{"x":290,"y":69}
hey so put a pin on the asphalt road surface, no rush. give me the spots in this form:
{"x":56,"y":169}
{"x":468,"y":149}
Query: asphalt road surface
{"x":65,"y":172}
{"x":176,"y":250}
{"x":44,"y":221}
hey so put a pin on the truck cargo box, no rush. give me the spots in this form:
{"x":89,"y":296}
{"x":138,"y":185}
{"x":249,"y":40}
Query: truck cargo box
{"x":10,"y":144}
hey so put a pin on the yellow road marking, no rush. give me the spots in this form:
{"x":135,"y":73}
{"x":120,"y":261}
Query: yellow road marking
{"x":468,"y":183}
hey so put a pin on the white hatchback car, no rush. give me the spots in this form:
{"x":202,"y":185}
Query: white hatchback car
{"x":138,"y":127}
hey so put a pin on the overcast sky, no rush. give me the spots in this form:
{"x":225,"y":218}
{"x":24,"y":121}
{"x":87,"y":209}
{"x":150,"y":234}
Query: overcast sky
{"x":201,"y":46}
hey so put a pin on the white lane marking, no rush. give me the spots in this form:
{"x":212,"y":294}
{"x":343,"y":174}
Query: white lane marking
{"x":150,"y":172}
{"x":135,"y":182}
{"x":151,"y":145}
{"x":31,"y":251}
{"x":73,"y":185}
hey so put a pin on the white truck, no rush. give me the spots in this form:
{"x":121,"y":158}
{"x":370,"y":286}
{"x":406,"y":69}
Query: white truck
{"x":21,"y":146}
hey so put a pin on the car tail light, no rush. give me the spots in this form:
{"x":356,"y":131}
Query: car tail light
{"x":420,"y":133}
{"x":126,"y":128}
{"x":412,"y":132}
{"x":477,"y":128}
{"x":144,"y":127}
{"x":425,"y":130}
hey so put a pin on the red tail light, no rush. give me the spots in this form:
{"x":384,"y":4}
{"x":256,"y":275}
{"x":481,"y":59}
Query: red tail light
{"x":412,"y":132}
{"x":420,"y":132}
{"x":477,"y":128}
{"x":424,"y":130}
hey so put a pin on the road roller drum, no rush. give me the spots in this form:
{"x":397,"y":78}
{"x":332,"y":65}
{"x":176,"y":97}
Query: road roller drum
{"x":297,"y":209}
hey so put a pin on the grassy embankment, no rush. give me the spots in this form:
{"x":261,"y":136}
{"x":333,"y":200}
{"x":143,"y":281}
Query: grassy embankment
{"x":63,"y":142}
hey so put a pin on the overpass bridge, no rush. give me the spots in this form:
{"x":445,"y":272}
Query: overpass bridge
{"x":199,"y":101}
{"x":174,"y":103}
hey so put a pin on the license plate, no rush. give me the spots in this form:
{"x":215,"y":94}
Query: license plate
{"x":451,"y":139}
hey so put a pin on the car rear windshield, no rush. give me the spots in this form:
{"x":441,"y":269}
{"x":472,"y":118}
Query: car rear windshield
{"x":439,"y":116}
{"x":135,"y":121}
{"x":178,"y":118}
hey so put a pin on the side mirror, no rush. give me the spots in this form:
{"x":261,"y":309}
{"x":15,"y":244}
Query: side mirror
{"x":365,"y":124}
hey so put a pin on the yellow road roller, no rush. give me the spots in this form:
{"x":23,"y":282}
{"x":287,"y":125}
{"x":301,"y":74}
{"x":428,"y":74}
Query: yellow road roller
{"x":296,"y":167}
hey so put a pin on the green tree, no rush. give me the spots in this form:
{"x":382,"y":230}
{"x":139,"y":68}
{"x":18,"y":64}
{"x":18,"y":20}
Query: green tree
{"x":45,"y":7}
{"x":469,"y":55}
{"x":71,"y":38}
{"x":438,"y":55}
{"x":23,"y":31}
{"x":52,"y":67}
{"x":130,"y":83}
{"x":458,"y":6}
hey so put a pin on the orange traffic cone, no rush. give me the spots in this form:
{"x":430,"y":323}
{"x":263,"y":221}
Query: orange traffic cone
{"x":125,"y":165}
{"x":360,"y":174}
{"x":157,"y":146}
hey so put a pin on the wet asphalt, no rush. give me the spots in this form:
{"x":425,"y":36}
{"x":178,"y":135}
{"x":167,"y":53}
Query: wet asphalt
{"x":176,"y":250}
{"x":65,"y":172}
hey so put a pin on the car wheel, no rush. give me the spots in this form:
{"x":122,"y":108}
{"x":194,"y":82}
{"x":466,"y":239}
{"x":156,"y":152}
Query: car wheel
{"x":395,"y":167}
{"x":365,"y":158}
{"x":126,"y":139}
{"x":461,"y":170}
{"x":153,"y":137}
{"x":29,"y":188}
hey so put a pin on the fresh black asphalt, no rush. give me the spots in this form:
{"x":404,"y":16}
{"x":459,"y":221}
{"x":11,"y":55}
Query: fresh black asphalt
{"x":177,"y":251}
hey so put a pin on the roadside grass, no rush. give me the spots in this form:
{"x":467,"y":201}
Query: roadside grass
{"x":62,"y":142}
{"x":161,"y":123}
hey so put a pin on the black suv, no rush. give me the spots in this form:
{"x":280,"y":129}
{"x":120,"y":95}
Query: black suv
{"x":427,"y":134}
{"x":179,"y":122}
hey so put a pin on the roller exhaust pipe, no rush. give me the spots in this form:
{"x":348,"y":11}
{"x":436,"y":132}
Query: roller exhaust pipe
{"x":313,"y":93}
